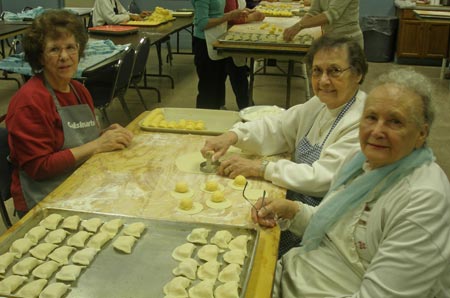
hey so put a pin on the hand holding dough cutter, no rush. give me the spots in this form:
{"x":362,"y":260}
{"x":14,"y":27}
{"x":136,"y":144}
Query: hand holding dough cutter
{"x":209,"y":166}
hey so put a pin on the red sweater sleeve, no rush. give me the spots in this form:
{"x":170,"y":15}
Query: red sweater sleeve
{"x":232,"y":5}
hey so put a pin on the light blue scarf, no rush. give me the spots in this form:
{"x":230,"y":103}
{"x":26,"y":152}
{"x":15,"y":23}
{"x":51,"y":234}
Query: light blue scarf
{"x":355,"y":193}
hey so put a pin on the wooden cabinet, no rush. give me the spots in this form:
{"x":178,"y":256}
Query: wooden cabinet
{"x":418,"y":38}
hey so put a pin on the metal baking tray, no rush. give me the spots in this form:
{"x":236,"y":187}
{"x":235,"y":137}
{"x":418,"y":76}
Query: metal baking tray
{"x":264,"y":39}
{"x":145,"y":271}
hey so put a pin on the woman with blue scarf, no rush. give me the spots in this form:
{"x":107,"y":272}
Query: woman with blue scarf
{"x":383,"y":229}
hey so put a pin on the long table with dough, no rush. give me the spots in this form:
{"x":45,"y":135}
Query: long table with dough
{"x":138,"y":182}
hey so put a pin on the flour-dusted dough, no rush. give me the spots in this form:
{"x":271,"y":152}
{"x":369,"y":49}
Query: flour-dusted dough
{"x":177,"y":287}
{"x":198,"y":235}
{"x":187,"y":268}
{"x":84,"y":256}
{"x":183,"y":251}
{"x":227,"y":290}
{"x":209,"y":270}
{"x":211,"y":186}
{"x":112,"y":227}
{"x":24,"y":267}
{"x":46,"y":269}
{"x":20,"y":247}
{"x":71,"y":222}
{"x":222,"y":238}
{"x":190,"y":162}
{"x":221,"y":205}
{"x":56,"y":236}
{"x":182,"y":190}
{"x":238,"y":183}
{"x":203,"y":289}
{"x":134,"y":229}
{"x":254,"y":194}
{"x":36,"y":234}
{"x":11,"y":283}
{"x":69,"y":272}
{"x":32,"y":289}
{"x":196,"y":208}
{"x":6,"y":259}
{"x":239,"y":243}
{"x":41,"y":251}
{"x":92,"y":224}
{"x":231,"y":272}
{"x":54,"y":290}
{"x":78,"y":239}
{"x":208,"y":252}
{"x":124,"y":243}
{"x":98,"y":240}
{"x":51,"y":222}
{"x":234,"y":257}
{"x":61,"y":254}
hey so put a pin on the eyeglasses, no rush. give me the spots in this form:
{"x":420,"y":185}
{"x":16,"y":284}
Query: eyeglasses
{"x":332,"y":72}
{"x":71,"y":49}
{"x":248,"y":200}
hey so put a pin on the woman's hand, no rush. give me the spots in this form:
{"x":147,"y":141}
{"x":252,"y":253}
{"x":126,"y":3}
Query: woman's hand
{"x":255,"y":16}
{"x":237,"y":165}
{"x":135,"y":17}
{"x":268,"y":211}
{"x":289,"y":33}
{"x":145,"y":13}
{"x":219,"y":145}
{"x":115,"y":137}
{"x":237,"y":14}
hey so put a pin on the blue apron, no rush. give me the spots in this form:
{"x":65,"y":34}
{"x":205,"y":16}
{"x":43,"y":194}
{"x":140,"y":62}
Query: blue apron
{"x":79,"y":127}
{"x":307,"y":153}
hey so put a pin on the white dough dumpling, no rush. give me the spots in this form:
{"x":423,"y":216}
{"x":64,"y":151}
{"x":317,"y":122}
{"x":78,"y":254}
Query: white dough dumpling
{"x":227,"y":290}
{"x":198,"y":235}
{"x":208,"y":252}
{"x":54,"y":290}
{"x":203,"y":289}
{"x":182,"y":190}
{"x":98,"y":240}
{"x":124,"y":243}
{"x":231,"y":272}
{"x":78,"y":239}
{"x":56,"y":236}
{"x":84,"y":256}
{"x":239,"y":243}
{"x":51,"y":222}
{"x":11,"y":283}
{"x":20,"y":247}
{"x":134,"y":229}
{"x":41,"y":251}
{"x":234,"y":257}
{"x":69,"y":272}
{"x":222,"y":238}
{"x":32,"y":289}
{"x":61,"y":254}
{"x":177,"y":287}
{"x":92,"y":224}
{"x":45,"y":270}
{"x":71,"y":222}
{"x":36,"y":234}
{"x":183,"y":251}
{"x":24,"y":267}
{"x":112,"y":227}
{"x":188,"y":206}
{"x":6,"y":259}
{"x":187,"y":268}
{"x":209,"y":270}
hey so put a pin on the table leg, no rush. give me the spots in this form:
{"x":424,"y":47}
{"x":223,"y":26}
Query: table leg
{"x":305,"y":75}
{"x":444,"y":65}
{"x":252,"y":80}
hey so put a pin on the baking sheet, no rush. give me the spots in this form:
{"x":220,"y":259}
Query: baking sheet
{"x":182,"y":13}
{"x":113,"y":30}
{"x":216,"y":121}
{"x":432,"y":14}
{"x":145,"y":271}
{"x":145,"y":23}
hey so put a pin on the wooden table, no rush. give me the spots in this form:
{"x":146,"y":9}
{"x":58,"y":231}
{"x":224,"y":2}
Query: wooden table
{"x":137,"y":182}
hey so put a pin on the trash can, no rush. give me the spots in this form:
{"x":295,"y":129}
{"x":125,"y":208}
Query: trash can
{"x":379,"y":37}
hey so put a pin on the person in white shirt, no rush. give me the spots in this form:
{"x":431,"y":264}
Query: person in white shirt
{"x":318,"y":133}
{"x":383,"y":229}
{"x":110,"y":12}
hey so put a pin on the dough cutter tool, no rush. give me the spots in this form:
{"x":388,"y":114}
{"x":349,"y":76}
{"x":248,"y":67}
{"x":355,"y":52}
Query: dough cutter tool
{"x":209,"y":166}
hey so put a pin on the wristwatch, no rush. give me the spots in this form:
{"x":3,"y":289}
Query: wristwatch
{"x":262,"y":167}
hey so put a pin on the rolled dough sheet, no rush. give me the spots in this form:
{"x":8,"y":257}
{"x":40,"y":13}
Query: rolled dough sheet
{"x":190,"y":162}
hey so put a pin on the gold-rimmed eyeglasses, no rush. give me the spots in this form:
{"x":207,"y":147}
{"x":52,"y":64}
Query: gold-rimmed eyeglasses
{"x":250,"y":202}
{"x":332,"y":72}
{"x":71,"y":49}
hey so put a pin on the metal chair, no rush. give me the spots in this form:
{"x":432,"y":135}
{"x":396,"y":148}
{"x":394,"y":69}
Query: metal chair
{"x":111,"y":82}
{"x":15,"y":48}
{"x":139,"y":70}
{"x":5,"y":176}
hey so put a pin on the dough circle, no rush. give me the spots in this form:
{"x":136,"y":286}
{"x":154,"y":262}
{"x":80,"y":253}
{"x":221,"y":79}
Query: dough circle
{"x":254,"y":194}
{"x":222,"y":205}
{"x":238,"y":187}
{"x":219,"y":187}
{"x":180,"y":195}
{"x":196,"y":208}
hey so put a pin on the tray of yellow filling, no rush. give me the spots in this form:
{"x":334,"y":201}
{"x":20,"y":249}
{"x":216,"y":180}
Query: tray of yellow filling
{"x":190,"y":121}
{"x":59,"y":248}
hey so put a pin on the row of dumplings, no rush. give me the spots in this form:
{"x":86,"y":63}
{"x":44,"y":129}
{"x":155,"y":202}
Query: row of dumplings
{"x":47,"y":257}
{"x":189,"y":269}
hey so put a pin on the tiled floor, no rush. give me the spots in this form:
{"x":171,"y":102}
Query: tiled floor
{"x":267,"y":90}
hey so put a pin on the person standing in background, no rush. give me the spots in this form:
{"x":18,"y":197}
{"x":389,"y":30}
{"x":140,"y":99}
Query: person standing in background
{"x":338,"y":18}
{"x":109,"y":12}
